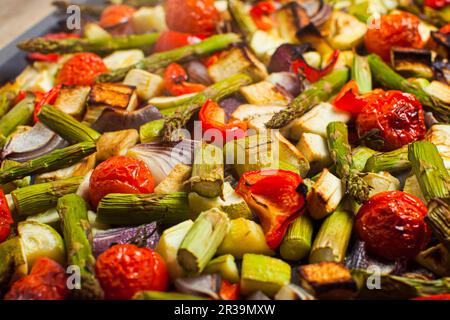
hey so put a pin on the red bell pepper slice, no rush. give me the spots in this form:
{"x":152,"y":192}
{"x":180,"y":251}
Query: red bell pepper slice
{"x":51,"y":57}
{"x":20,"y":96}
{"x":212,"y":117}
{"x":229,"y":291}
{"x":445,"y":29}
{"x":348,"y":99}
{"x":260,"y":14}
{"x":176,"y":81}
{"x":443,"y":296}
{"x":313,"y":74}
{"x":47,"y":98}
{"x":6,"y":219}
{"x":169,"y":40}
{"x":277,"y":197}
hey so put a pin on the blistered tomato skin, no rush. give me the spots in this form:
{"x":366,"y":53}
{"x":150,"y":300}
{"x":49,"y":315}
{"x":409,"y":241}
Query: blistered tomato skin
{"x":81,"y":69}
{"x":392,"y":225}
{"x":120,"y":175}
{"x":395,"y":117}
{"x":191,"y":16}
{"x":393,"y":30}
{"x":124,"y":270}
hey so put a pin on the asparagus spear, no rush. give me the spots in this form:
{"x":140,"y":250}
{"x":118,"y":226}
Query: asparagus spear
{"x":38,"y":198}
{"x":320,"y":91}
{"x":393,"y":161}
{"x":11,"y":186}
{"x":55,"y":160}
{"x":66,"y":126}
{"x":102,"y":45}
{"x":158,"y":295}
{"x":163,"y":59}
{"x":341,"y":153}
{"x":332,"y":240}
{"x":297,"y":241}
{"x":387,"y":77}
{"x":361,"y":74}
{"x":208,"y":171}
{"x":438,"y":218}
{"x":135,"y":209}
{"x":78,"y":239}
{"x":202,"y":240}
{"x":21,"y":114}
{"x":215,"y":92}
{"x":243,"y":20}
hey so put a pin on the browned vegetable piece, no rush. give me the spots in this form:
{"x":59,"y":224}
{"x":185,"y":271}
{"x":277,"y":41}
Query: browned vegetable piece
{"x":113,"y":95}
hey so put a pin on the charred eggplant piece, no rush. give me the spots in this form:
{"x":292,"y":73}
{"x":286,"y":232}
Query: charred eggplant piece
{"x":290,"y":19}
{"x":413,"y":62}
{"x":442,"y":41}
{"x":113,"y":95}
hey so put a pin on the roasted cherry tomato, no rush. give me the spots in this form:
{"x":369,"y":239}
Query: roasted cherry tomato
{"x":213,"y":121}
{"x":47,"y":281}
{"x":47,"y":98}
{"x":277,"y":196}
{"x":123,"y":270}
{"x":120,"y":175}
{"x":392,"y":225}
{"x":313,"y":74}
{"x":390,"y":120}
{"x":176,"y":81}
{"x":191,"y":16}
{"x":393,"y":30}
{"x":261,"y":12}
{"x":348,"y":99}
{"x":436,"y":4}
{"x":229,"y":291}
{"x":169,"y":40}
{"x":81,"y":69}
{"x":6,"y":219}
{"x":115,"y":15}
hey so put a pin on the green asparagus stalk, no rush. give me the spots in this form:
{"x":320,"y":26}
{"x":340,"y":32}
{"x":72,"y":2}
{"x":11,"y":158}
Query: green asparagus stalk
{"x":428,"y":166}
{"x":390,"y":79}
{"x":20,"y":115}
{"x":393,"y":161}
{"x":202,"y":240}
{"x":57,"y":159}
{"x":215,"y":92}
{"x":163,"y":59}
{"x":151,"y":131}
{"x":396,"y":287}
{"x":361,"y":74}
{"x":297,"y":241}
{"x":5,"y":103}
{"x":341,"y":153}
{"x":438,"y":218}
{"x":66,"y":126}
{"x":243,"y":20}
{"x":320,"y":91}
{"x":158,"y":295}
{"x":332,"y":240}
{"x":102,"y":45}
{"x":135,"y":209}
{"x":13,"y":185}
{"x":78,"y":239}
{"x":208,"y":171}
{"x":38,"y":198}
{"x":361,"y":155}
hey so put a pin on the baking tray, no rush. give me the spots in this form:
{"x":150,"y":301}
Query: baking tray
{"x":12,"y":60}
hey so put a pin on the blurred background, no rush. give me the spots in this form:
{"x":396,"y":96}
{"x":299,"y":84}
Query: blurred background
{"x":17,"y":16}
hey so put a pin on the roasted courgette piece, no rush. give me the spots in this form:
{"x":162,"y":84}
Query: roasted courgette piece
{"x":148,"y":85}
{"x":117,"y":143}
{"x":315,"y":149}
{"x":413,"y":62}
{"x":235,"y":61}
{"x":79,"y":169}
{"x":290,"y":19}
{"x":327,"y":280}
{"x":439,"y":135}
{"x":72,"y":100}
{"x":264,"y":92}
{"x":176,"y":180}
{"x":113,"y":95}
{"x":344,"y":31}
{"x":13,"y":263}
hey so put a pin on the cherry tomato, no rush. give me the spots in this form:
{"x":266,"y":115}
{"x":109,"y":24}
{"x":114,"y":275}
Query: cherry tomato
{"x":115,"y":15}
{"x":212,"y":117}
{"x":191,"y":16}
{"x":260,"y":14}
{"x":47,"y":281}
{"x":348,"y":98}
{"x":229,"y":291}
{"x":392,"y":225}
{"x":277,"y":196}
{"x":123,"y":270}
{"x":120,"y":175}
{"x":393,"y":30}
{"x":81,"y":69}
{"x":313,"y":74}
{"x":6,"y":219}
{"x":169,"y":40}
{"x":390,"y":120}
{"x":436,"y":4}
{"x":176,"y":81}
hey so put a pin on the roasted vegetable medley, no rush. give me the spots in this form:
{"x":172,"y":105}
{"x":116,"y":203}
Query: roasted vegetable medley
{"x":230,"y":149}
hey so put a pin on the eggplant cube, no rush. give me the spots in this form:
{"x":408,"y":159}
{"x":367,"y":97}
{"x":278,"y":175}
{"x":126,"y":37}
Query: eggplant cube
{"x":264,"y":92}
{"x":113,"y":95}
{"x":325,"y":195}
{"x":148,"y":85}
{"x":327,"y":280}
{"x":72,"y":100}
